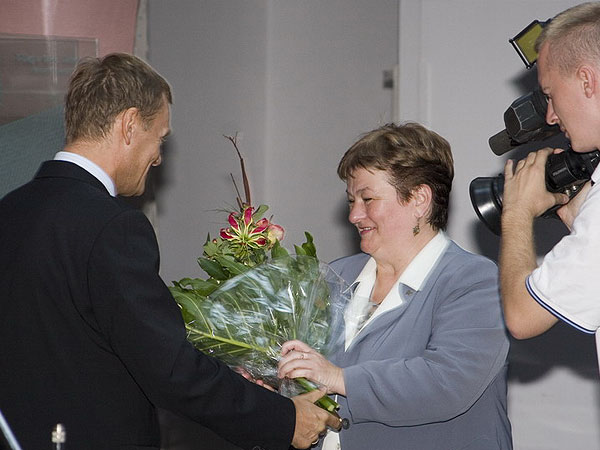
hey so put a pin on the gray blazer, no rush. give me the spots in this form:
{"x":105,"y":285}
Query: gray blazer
{"x":430,"y":374}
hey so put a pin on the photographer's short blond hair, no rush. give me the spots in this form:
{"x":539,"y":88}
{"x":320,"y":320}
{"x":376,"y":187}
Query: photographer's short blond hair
{"x":573,"y":37}
{"x":412,"y":156}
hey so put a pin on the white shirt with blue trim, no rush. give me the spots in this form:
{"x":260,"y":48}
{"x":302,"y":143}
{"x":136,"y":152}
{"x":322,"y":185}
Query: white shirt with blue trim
{"x":564,"y":281}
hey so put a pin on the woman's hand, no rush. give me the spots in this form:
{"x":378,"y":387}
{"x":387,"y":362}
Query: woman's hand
{"x":299,"y":360}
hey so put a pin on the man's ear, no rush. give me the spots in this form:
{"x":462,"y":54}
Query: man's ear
{"x":129,"y":122}
{"x":589,"y":77}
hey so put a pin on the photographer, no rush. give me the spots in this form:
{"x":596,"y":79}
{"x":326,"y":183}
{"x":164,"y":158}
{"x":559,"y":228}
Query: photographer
{"x":562,"y":287}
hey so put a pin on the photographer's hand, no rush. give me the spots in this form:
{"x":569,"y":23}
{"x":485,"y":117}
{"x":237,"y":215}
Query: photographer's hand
{"x":568,"y":212}
{"x":525,"y":193}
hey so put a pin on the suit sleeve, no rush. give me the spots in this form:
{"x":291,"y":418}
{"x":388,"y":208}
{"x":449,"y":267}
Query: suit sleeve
{"x":143,"y":325}
{"x":467,"y":349}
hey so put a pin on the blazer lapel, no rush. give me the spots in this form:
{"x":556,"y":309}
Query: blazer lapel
{"x":381,"y":322}
{"x":414,"y":302}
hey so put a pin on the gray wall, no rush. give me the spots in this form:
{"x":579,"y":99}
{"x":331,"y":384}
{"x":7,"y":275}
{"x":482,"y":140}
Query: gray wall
{"x":298,"y":80}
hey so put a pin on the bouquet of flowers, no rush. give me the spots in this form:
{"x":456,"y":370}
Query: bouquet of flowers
{"x":257,"y":296}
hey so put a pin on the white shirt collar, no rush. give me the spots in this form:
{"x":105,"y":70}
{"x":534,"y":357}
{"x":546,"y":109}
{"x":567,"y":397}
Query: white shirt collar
{"x":90,"y":167}
{"x":415,"y":275}
{"x":418,"y":269}
{"x":413,"y":278}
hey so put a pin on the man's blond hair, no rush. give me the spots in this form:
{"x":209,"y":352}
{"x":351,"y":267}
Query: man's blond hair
{"x":573,"y":37}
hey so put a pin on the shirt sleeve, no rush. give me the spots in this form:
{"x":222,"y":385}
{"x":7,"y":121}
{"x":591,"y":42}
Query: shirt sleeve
{"x":564,"y":282}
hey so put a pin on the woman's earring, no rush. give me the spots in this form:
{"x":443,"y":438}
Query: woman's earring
{"x":416,"y":228}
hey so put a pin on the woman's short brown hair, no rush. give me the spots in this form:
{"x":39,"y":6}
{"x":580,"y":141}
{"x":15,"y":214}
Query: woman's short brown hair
{"x":412,"y":156}
{"x":101,"y":88}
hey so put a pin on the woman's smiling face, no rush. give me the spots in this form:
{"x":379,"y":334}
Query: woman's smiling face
{"x":383,"y":221}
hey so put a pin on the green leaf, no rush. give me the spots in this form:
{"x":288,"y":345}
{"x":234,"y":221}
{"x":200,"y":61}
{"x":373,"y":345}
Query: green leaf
{"x":221,"y":331}
{"x":202,"y":287}
{"x":309,"y":247}
{"x":299,"y":250}
{"x":234,"y":267}
{"x":211,"y":248}
{"x":188,"y":302}
{"x":259,"y":212}
{"x":278,"y":251}
{"x":212,"y":268}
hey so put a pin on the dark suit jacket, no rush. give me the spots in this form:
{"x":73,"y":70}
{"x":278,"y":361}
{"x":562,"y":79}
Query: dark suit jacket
{"x":90,"y":336}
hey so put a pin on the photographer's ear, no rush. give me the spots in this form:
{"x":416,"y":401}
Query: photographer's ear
{"x":588,"y":76}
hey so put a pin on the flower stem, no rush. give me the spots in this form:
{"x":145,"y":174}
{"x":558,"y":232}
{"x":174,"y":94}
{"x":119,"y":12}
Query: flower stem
{"x":324,"y":402}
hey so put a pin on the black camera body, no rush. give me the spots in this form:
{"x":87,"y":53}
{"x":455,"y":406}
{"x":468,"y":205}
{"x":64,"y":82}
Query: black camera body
{"x":525,"y":121}
{"x":566,"y":172}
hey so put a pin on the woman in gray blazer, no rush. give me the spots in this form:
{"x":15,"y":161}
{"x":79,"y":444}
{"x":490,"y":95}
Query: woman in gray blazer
{"x":423,"y":359}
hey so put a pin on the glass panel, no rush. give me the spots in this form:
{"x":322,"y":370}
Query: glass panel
{"x":35,"y":70}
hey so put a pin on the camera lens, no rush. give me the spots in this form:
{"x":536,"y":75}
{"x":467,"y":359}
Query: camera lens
{"x":486,"y":197}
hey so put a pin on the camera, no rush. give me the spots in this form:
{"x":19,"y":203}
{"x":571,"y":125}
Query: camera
{"x":525,"y":121}
{"x":566,"y":172}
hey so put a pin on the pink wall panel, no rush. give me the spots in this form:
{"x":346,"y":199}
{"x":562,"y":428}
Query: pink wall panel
{"x":112,"y":22}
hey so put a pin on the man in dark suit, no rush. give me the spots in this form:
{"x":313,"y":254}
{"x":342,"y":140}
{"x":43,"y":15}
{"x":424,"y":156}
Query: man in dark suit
{"x":90,"y":336}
